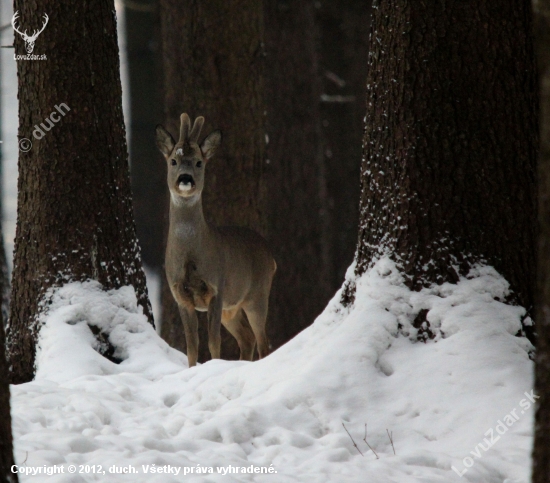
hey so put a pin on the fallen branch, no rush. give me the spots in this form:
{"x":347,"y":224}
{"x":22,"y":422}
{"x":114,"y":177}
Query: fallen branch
{"x":391,"y":440}
{"x":365,"y":440}
{"x":352,"y":440}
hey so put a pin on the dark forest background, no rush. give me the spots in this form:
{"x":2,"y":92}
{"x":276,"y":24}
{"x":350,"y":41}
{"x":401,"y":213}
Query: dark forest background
{"x":306,"y":63}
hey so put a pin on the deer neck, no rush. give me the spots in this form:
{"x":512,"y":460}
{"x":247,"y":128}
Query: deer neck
{"x":187,"y":219}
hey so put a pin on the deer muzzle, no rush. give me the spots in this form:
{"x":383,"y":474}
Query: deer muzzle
{"x":185,"y":182}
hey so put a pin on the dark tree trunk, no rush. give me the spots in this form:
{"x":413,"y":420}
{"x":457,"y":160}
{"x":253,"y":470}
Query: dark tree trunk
{"x":450,"y":146}
{"x":74,"y":219}
{"x":6,"y":439}
{"x":4,"y":272}
{"x":298,"y":220}
{"x":144,"y":73}
{"x":213,"y":61}
{"x":541,"y":451}
{"x":343,"y":29}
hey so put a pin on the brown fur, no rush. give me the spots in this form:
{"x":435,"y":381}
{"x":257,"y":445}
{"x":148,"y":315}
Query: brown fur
{"x":226,"y":271}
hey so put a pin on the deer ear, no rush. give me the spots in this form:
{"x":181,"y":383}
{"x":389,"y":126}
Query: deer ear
{"x":165,"y":141}
{"x":211,"y":143}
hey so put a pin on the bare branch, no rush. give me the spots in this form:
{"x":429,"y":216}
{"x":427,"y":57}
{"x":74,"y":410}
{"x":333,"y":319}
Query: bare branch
{"x":352,"y":440}
{"x":365,"y":440}
{"x":391,"y":439}
{"x":331,"y":76}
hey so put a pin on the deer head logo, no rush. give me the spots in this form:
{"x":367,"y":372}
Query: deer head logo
{"x":29,"y":39}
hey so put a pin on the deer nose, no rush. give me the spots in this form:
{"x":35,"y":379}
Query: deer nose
{"x":186,"y":179}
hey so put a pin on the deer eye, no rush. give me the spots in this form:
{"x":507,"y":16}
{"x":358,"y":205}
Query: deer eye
{"x":199,"y":164}
{"x":174,"y":162}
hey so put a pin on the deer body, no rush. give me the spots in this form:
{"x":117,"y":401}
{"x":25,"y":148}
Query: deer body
{"x":225,"y":271}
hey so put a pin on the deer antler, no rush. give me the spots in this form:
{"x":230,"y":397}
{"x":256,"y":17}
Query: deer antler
{"x":14,"y":18}
{"x":196,"y":131}
{"x":184,"y":128}
{"x":38,"y":32}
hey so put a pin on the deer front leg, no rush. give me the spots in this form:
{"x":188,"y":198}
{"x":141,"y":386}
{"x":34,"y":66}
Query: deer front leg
{"x":191,"y":327}
{"x":214,"y":323}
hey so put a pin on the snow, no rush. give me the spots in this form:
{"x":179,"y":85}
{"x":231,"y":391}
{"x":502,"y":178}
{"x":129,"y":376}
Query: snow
{"x":442,"y":400}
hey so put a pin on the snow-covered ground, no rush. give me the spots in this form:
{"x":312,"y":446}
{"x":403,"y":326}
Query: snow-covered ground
{"x":448,"y":403}
{"x":460,"y":404}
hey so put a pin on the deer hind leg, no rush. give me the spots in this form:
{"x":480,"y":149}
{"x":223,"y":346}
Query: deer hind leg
{"x":235,"y":322}
{"x":256,"y":312}
{"x":191,"y":328}
{"x":214,"y":323}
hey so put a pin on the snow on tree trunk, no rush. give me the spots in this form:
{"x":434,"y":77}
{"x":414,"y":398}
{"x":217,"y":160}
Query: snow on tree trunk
{"x":213,"y":60}
{"x":541,"y":452}
{"x":450,"y":144}
{"x":6,"y":439}
{"x":74,"y":219}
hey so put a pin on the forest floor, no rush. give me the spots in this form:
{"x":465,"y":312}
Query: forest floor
{"x":459,"y":404}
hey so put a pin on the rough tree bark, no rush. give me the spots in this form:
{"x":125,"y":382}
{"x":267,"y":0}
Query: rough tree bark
{"x":450,"y":145}
{"x":298,"y":224}
{"x":74,"y":219}
{"x":144,"y":74}
{"x":541,"y":450}
{"x":4,"y":272}
{"x":213,"y":61}
{"x":6,"y":439}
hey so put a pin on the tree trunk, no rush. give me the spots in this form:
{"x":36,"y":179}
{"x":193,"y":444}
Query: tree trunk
{"x":144,"y":74}
{"x":213,"y":63}
{"x":6,"y":439}
{"x":4,"y":271}
{"x":343,"y":38}
{"x":450,"y":145}
{"x":74,"y":219}
{"x":298,"y":220}
{"x":541,"y":451}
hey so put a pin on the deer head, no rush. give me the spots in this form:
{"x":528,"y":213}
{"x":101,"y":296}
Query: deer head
{"x":29,"y":40}
{"x":186,"y":159}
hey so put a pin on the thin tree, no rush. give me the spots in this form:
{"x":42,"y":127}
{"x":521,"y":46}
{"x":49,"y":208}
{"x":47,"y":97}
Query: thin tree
{"x":213,"y":60}
{"x":343,"y":28}
{"x":145,"y":78}
{"x":541,"y":451}
{"x":450,"y":145}
{"x":4,"y":272}
{"x":74,"y":217}
{"x":298,"y":212}
{"x":6,"y":439}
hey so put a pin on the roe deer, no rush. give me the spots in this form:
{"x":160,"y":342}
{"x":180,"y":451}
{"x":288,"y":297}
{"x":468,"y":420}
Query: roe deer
{"x":226,"y":271}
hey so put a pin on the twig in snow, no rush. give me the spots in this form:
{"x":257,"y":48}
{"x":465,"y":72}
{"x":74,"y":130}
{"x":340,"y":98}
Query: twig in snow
{"x":365,"y":440}
{"x":391,"y":440}
{"x":352,"y":440}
